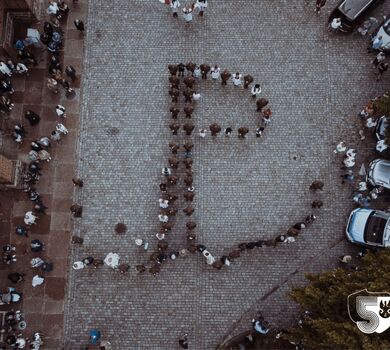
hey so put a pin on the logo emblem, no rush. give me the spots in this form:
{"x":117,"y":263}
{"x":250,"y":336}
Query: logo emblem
{"x":369,"y":310}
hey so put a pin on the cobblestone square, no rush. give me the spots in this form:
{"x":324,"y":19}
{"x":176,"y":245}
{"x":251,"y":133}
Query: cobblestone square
{"x":245,"y":189}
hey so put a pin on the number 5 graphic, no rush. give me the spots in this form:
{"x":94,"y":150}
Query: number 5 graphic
{"x":362,"y":302}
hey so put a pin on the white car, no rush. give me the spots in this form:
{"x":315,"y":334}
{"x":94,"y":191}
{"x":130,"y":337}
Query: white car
{"x":379,"y":173}
{"x":369,"y":227}
{"x":384,"y":32}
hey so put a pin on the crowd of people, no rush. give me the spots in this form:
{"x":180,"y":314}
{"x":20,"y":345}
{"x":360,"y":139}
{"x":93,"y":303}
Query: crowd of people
{"x":187,"y":11}
{"x":50,"y":36}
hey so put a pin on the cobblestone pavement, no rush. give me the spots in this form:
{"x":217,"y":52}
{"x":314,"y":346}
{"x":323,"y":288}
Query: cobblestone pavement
{"x":256,"y":188}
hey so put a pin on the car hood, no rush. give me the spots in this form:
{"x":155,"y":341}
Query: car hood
{"x":386,"y":235}
{"x":357,"y":224}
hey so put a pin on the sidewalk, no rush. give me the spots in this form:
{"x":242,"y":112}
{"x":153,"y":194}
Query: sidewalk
{"x":43,"y":306}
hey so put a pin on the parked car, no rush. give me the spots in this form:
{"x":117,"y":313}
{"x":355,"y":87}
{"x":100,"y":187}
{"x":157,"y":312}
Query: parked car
{"x":381,"y":126}
{"x":379,"y":173}
{"x":384,"y":32}
{"x":369,"y":227}
{"x":350,"y":11}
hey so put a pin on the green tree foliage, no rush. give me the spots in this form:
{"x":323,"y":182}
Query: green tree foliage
{"x":329,"y":325}
{"x":382,"y":105}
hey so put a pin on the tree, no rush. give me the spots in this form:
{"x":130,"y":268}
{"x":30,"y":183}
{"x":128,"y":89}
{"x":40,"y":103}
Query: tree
{"x":328,"y":325}
{"x":382,"y":105}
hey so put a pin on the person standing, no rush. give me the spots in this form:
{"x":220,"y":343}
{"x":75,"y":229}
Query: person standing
{"x":190,"y":66}
{"x":237,"y":79}
{"x":316,"y":185}
{"x":248,"y":79}
{"x":242,"y":131}
{"x":32,"y":117}
{"x":181,"y":68}
{"x":204,"y":68}
{"x":380,"y":57}
{"x":201,"y":5}
{"x":70,"y":72}
{"x":174,"y":111}
{"x":188,"y":127}
{"x":173,"y":68}
{"x":79,"y":24}
{"x":77,"y":182}
{"x":215,"y":72}
{"x":189,"y":81}
{"x":256,"y":90}
{"x":174,"y":93}
{"x":319,"y":4}
{"x":261,"y":103}
{"x":225,"y":76}
{"x":60,"y":110}
{"x":175,"y":81}
{"x":174,"y":128}
{"x":187,"y":14}
{"x":174,"y":4}
{"x":214,"y":129}
{"x":52,"y":85}
{"x":188,"y":94}
{"x":382,"y":67}
{"x":188,"y":110}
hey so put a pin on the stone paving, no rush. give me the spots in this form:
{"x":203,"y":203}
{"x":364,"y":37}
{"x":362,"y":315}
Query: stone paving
{"x":245,"y":189}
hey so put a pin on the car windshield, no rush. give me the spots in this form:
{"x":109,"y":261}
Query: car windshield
{"x":386,"y":27}
{"x":375,"y":227}
{"x":352,"y":8}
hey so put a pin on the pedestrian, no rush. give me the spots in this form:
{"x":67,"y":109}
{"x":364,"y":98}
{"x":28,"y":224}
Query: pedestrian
{"x":242,"y":131}
{"x":44,"y":155}
{"x":319,"y":4}
{"x":163,"y":187}
{"x":16,"y":277}
{"x":340,"y":148}
{"x":228,"y":131}
{"x":204,"y":68}
{"x":215,"y":72}
{"x":172,"y":179}
{"x":225,"y":76}
{"x":196,"y":96}
{"x":214,"y":129}
{"x":201,"y":5}
{"x":163,"y":203}
{"x":174,"y":147}
{"x":174,"y":112}
{"x":335,"y":24}
{"x":175,"y":81}
{"x":188,"y":128}
{"x":70,"y":71}
{"x":197,"y":72}
{"x":44,"y":142}
{"x":77,"y":182}
{"x":32,"y":117}
{"x":202,"y":133}
{"x":316,"y":185}
{"x":380,"y":57}
{"x":189,"y":196}
{"x":293,"y":232}
{"x":382,"y":67}
{"x":377,"y":43}
{"x":248,"y":79}
{"x":266,"y":115}
{"x":174,"y":127}
{"x":188,"y":110}
{"x":140,"y":268}
{"x":256,"y":90}
{"x":174,"y":5}
{"x":191,"y":225}
{"x":166,"y":171}
{"x":174,"y":93}
{"x":260,"y":129}
{"x":317,"y":204}
{"x":173,"y":68}
{"x":188,"y":146}
{"x":76,"y":240}
{"x":30,"y":218}
{"x":189,"y":81}
{"x":21,"y":68}
{"x":237,"y":79}
{"x":348,"y":176}
{"x":60,"y":110}
{"x":188,"y":180}
{"x":21,"y":230}
{"x":261,"y":103}
{"x":122,"y":268}
{"x":349,"y":162}
{"x":39,"y":207}
{"x":79,"y":24}
{"x":77,"y":210}
{"x":173,"y":162}
{"x":52,"y":85}
{"x":55,"y":136}
{"x":4,"y":69}
{"x":181,"y":68}
{"x":190,"y":66}
{"x":187,"y":14}
{"x":183,"y":342}
{"x":36,"y":246}
{"x":188,"y":94}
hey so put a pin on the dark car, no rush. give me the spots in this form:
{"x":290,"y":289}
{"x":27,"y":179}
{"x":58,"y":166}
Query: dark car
{"x":349,"y":11}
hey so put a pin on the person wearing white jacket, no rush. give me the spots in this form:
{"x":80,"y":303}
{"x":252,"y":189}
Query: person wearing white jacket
{"x":256,"y":90}
{"x":215,"y":72}
{"x":201,"y":5}
{"x":174,"y":4}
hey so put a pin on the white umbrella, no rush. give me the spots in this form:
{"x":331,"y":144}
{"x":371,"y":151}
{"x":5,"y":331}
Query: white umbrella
{"x":112,"y":260}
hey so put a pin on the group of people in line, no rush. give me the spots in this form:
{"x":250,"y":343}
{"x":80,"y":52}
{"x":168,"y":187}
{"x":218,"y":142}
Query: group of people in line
{"x":191,"y":73}
{"x":52,"y":37}
{"x":188,"y":11}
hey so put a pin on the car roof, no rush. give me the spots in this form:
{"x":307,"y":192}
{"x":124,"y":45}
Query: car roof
{"x":357,"y":224}
{"x":353,"y":8}
{"x":381,"y":172}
